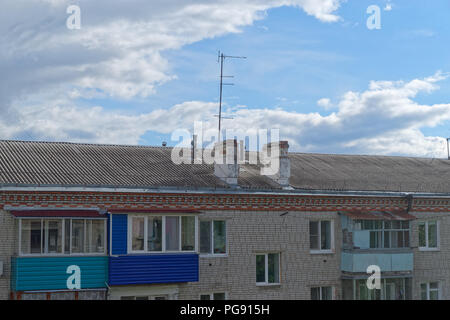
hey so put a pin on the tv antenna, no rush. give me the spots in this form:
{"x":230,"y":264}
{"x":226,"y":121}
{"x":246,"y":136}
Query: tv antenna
{"x":221,"y":57}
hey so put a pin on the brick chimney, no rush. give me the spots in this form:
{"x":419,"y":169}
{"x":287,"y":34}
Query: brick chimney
{"x":277,"y":165}
{"x":226,"y":166}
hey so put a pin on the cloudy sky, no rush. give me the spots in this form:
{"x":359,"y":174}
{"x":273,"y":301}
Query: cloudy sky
{"x":137,"y":70}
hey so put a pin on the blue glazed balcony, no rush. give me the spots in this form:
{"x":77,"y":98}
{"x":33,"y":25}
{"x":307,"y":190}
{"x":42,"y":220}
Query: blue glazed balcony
{"x":153,"y":268}
{"x":50,"y":273}
{"x":387,"y":261}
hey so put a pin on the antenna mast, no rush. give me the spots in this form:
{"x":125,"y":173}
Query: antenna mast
{"x":221,"y":58}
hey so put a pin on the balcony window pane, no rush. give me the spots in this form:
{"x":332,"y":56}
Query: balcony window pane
{"x":260,"y":268}
{"x":137,"y":241}
{"x":205,"y":237}
{"x":77,"y":236}
{"x":31,"y":236}
{"x":273,"y":266}
{"x":154,"y":234}
{"x":173,"y":233}
{"x":314,"y":235}
{"x":220,"y":239}
{"x":188,"y":233}
{"x":97,"y":237}
{"x":53,"y":234}
{"x":325,"y":236}
{"x":66,"y":236}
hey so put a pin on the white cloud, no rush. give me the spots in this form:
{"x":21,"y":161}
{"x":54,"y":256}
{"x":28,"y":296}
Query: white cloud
{"x":119,"y":49}
{"x":384,"y":119}
{"x":324,"y":103}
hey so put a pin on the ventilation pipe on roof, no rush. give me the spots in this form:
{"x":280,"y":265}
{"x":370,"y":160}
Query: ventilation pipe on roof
{"x":226,"y":166}
{"x":277,"y":165}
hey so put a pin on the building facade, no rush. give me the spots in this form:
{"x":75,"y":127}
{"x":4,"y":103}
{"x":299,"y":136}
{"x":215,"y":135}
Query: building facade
{"x":102,"y":222}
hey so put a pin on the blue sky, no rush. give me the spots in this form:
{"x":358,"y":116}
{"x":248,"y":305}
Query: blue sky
{"x":294,"y":58}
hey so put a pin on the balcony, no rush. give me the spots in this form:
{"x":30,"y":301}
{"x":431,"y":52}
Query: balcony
{"x":50,"y":273}
{"x":153,"y":268}
{"x":357,"y":262}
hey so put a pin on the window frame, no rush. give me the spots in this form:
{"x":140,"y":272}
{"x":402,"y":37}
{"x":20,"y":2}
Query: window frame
{"x":320,"y":292}
{"x":332,"y":243}
{"x":211,"y":233}
{"x":63,"y":220}
{"x":428,"y":289}
{"x":266,"y":269}
{"x":438,"y":236}
{"x":163,"y":234}
{"x":211,"y":296}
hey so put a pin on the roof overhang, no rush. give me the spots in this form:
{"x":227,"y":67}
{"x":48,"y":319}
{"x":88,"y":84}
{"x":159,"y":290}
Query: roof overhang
{"x":57,"y":213}
{"x":379,"y":215}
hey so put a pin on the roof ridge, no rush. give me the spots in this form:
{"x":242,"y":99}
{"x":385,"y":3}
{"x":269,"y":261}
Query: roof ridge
{"x":83,"y":143}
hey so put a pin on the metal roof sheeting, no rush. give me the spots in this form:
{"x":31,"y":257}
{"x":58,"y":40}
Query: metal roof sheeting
{"x":28,"y":163}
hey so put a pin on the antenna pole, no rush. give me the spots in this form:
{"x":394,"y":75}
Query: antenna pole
{"x":220,"y":98}
{"x":222,"y":58}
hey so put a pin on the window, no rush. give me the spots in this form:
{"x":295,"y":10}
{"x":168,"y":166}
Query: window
{"x":213,"y":296}
{"x":154,"y":233}
{"x":321,"y":293}
{"x":428,"y":235}
{"x":162,"y":233}
{"x":429,"y":291}
{"x":62,"y":236}
{"x":321,"y":235}
{"x":268,"y":268}
{"x":213,"y":238}
{"x":386,"y":234}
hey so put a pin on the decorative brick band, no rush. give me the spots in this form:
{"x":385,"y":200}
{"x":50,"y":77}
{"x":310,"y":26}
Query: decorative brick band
{"x":174,"y":201}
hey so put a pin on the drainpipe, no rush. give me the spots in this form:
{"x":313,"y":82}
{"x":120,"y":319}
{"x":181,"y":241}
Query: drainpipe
{"x":409,"y":198}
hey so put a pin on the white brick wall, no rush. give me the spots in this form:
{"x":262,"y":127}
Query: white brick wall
{"x":249,"y":233}
{"x":8,"y":247}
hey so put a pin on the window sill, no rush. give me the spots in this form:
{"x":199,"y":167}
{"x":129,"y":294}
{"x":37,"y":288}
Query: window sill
{"x":322,"y":252}
{"x":211,"y":255}
{"x":268,"y":284}
{"x":424,"y":249}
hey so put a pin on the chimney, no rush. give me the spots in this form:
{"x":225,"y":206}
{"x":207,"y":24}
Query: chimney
{"x":277,"y":165}
{"x":226,"y":166}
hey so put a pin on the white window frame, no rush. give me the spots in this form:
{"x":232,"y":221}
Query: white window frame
{"x":266,"y":269}
{"x":323,"y":251}
{"x":428,"y":290}
{"x":163,"y":234}
{"x":320,"y":291}
{"x":211,"y":295}
{"x":211,"y":253}
{"x":63,"y":242}
{"x":438,"y":236}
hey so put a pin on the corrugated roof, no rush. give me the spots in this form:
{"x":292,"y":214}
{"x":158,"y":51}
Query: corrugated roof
{"x":77,"y":164}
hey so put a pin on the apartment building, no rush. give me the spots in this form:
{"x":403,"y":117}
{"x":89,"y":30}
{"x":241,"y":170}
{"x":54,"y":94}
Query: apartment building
{"x":86,"y":221}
